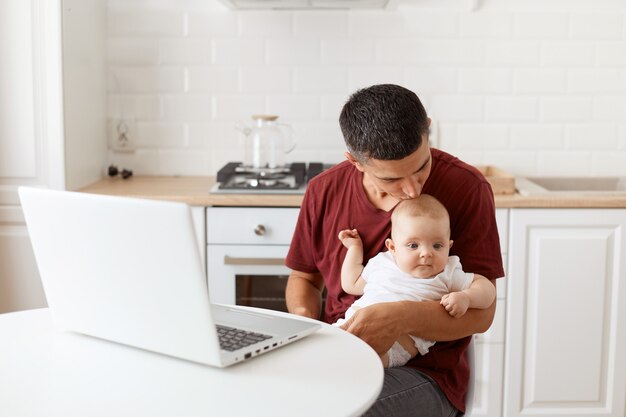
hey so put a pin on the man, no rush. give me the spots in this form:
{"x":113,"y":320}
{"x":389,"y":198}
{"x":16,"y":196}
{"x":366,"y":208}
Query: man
{"x":389,"y":159}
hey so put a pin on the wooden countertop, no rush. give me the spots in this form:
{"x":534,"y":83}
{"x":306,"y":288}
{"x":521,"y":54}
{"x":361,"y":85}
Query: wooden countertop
{"x":195,"y":191}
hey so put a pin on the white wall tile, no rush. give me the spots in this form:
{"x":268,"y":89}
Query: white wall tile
{"x":457,"y":108}
{"x":293,"y":52}
{"x":235,"y":107}
{"x":517,"y":52}
{"x":235,"y":51}
{"x":430,"y":24}
{"x":361,"y":77}
{"x":331,"y":105}
{"x":517,"y":86}
{"x":611,"y":53}
{"x":572,"y":109}
{"x":318,"y":135}
{"x":348,"y":52}
{"x":212,"y":24}
{"x":160,"y":135}
{"x":266,"y":23}
{"x":483,"y":137}
{"x":541,"y":25}
{"x":184,"y":51}
{"x":528,"y":137}
{"x":485,"y":81}
{"x":505,"y":109}
{"x":540,"y":81}
{"x":563,"y":163}
{"x":591,"y":25}
{"x":516,"y":162}
{"x":132,"y":51}
{"x":189,"y":107}
{"x":212,"y":79}
{"x":591,"y":137}
{"x":567,"y":53}
{"x":485,"y":25}
{"x":292,"y":107}
{"x":608,"y":163}
{"x":376,"y":24}
{"x":596,"y":81}
{"x":147,"y":107}
{"x":436,"y":80}
{"x":183,"y":162}
{"x":321,"y":24}
{"x":265,"y":80}
{"x":320,"y":79}
{"x":147,"y":80}
{"x":144,"y":23}
{"x":609,"y":108}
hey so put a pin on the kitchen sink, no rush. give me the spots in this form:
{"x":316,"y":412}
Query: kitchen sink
{"x":571,"y":185}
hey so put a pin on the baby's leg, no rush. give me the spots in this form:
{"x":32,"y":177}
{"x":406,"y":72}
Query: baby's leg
{"x":400,"y":353}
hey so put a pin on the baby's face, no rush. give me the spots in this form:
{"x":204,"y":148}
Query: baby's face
{"x":420,"y":245}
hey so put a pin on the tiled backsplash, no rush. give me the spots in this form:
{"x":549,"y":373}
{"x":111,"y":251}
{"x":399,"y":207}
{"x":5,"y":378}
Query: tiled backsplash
{"x":533,"y":89}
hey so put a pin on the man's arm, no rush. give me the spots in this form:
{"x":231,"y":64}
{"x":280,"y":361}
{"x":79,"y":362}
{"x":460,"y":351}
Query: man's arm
{"x":304,"y":294}
{"x":380,"y":325}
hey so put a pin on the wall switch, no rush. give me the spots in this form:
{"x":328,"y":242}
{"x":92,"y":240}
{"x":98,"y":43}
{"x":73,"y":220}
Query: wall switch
{"x":123,"y":135}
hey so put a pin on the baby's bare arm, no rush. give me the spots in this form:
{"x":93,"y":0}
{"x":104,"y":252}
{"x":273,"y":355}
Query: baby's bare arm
{"x":352,"y":266}
{"x":479,"y":295}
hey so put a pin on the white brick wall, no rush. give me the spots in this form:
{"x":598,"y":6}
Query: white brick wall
{"x":533,"y":87}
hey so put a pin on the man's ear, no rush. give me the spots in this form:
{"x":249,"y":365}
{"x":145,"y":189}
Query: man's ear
{"x":390,"y":245}
{"x":353,"y":161}
{"x":429,"y":121}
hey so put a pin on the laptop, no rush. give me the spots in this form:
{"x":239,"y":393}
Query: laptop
{"x":128,"y":270}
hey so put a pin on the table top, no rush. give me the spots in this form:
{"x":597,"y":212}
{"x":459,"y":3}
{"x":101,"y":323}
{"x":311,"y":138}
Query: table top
{"x":45,"y":371}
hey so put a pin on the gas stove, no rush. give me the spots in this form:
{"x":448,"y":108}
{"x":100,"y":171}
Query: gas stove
{"x":236,"y":178}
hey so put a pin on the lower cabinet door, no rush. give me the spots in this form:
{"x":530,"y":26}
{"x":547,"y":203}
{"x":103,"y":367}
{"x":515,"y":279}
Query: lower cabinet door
{"x":566,"y":316}
{"x":488,"y":368}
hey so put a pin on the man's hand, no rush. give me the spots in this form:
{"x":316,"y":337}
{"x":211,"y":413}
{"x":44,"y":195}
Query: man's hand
{"x":378,"y":325}
{"x":350,"y":238}
{"x":456,"y":303}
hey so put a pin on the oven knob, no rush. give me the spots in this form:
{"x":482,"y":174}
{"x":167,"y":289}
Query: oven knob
{"x":259,"y":230}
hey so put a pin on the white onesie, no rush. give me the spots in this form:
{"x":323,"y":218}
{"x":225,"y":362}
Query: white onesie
{"x":385,"y":282}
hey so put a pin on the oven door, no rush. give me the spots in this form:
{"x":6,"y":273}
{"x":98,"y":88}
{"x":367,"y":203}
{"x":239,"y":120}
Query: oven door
{"x":251,"y":275}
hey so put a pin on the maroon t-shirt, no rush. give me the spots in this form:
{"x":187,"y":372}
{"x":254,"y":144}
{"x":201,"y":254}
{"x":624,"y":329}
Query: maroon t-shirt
{"x":335,"y":200}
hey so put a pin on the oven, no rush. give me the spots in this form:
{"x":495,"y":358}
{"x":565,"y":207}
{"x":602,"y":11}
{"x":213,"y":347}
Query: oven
{"x":246,"y":250}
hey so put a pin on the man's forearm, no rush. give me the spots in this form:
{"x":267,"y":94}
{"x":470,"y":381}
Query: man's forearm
{"x":432,"y":322}
{"x":304,"y":294}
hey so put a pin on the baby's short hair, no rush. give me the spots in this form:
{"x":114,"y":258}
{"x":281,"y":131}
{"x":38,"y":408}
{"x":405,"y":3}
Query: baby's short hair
{"x":424,"y":206}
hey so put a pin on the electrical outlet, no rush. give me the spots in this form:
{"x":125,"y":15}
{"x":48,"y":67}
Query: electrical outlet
{"x":123,"y":135}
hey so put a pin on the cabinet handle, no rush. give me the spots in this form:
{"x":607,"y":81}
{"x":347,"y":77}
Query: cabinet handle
{"x":259,"y":230}
{"x":229,"y":260}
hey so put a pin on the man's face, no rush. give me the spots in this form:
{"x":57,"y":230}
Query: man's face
{"x":402,"y":179}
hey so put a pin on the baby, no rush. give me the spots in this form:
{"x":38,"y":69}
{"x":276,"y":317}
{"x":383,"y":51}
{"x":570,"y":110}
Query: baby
{"x":416,"y":267}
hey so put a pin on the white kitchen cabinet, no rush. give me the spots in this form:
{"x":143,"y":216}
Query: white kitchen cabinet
{"x":52,"y":126}
{"x":566,"y":317}
{"x":489,"y":347}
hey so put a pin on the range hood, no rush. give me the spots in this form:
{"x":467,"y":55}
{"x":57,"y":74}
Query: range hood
{"x":308,"y":4}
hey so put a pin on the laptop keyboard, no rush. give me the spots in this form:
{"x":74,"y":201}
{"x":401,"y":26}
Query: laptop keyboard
{"x":232,"y":339}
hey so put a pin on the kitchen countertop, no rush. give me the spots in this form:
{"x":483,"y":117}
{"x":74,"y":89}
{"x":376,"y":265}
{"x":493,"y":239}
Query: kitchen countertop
{"x":195,"y":191}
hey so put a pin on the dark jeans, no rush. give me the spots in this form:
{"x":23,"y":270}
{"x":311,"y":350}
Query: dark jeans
{"x":408,"y":392}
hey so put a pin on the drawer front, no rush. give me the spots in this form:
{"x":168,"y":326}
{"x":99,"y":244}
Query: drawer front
{"x":250,"y":226}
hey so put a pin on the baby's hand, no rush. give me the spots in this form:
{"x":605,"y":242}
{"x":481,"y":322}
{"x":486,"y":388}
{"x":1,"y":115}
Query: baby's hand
{"x":455,"y":303}
{"x":350,"y":238}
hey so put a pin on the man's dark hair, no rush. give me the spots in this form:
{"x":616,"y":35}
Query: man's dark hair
{"x":384,"y":122}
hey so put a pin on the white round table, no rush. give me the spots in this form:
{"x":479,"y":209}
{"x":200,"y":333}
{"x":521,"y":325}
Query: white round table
{"x":47,"y":372}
